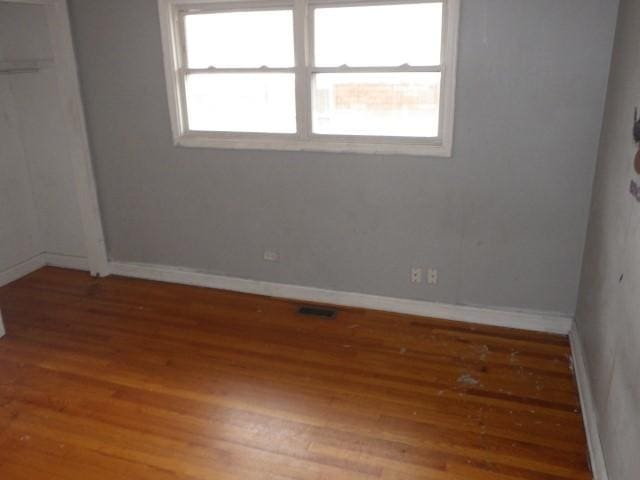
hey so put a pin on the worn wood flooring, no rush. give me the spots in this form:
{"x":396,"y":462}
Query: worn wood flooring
{"x":118,"y":378}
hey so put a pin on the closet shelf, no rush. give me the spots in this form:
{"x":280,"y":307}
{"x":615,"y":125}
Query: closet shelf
{"x":23,"y":66}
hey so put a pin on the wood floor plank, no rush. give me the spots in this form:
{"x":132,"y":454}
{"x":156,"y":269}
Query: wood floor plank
{"x":121,"y":378}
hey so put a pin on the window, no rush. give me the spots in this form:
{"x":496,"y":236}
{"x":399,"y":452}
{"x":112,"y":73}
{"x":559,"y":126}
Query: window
{"x":371,"y":76}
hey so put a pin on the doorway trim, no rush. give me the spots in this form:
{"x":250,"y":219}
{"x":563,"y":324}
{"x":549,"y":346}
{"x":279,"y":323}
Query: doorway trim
{"x":73,"y":116}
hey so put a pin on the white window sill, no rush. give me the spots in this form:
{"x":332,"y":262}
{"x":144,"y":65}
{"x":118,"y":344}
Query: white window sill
{"x":291,"y":143}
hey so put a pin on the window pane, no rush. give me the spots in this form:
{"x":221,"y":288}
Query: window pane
{"x":240,"y":39}
{"x":245,"y":102}
{"x":387,"y":35}
{"x":393,"y":104}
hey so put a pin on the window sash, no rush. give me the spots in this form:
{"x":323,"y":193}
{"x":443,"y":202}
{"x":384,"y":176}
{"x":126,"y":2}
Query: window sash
{"x":183,"y":13}
{"x":304,"y":72}
{"x":314,"y":5}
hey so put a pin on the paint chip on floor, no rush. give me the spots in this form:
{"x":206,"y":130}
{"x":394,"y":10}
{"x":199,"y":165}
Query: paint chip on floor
{"x":467,"y":379}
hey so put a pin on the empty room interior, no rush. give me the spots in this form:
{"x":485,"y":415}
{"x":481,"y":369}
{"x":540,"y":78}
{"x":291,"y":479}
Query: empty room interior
{"x":319,"y":239}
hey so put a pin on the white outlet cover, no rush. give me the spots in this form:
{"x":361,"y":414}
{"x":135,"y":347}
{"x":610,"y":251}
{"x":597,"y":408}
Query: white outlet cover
{"x":432,"y":276}
{"x":271,"y":256}
{"x":416,"y":275}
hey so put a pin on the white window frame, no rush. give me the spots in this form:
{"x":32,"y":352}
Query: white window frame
{"x":171,"y":18}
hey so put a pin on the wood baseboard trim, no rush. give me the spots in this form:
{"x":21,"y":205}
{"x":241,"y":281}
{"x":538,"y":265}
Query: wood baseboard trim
{"x":589,"y":415}
{"x":536,"y":321}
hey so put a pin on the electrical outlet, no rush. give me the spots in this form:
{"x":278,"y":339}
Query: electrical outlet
{"x":416,"y":275}
{"x":432,"y":276}
{"x":271,"y":255}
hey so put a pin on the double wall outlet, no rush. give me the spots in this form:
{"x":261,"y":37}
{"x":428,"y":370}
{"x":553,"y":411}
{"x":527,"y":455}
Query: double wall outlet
{"x":417,"y":275}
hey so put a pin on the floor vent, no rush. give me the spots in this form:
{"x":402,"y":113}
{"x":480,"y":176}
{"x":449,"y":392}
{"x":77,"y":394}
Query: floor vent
{"x":317,"y":311}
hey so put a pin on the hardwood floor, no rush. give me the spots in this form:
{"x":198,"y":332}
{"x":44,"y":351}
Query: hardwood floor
{"x":126,"y":379}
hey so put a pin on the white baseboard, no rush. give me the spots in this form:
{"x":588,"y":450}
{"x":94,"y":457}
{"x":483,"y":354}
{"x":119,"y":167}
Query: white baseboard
{"x":536,"y":321}
{"x":544,"y":322}
{"x":20,"y":270}
{"x":596,"y":454}
{"x":66,"y":261}
{"x":41,"y":260}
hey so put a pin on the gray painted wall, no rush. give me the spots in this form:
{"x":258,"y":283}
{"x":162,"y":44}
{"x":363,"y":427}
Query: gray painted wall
{"x":504,"y":220}
{"x":608,"y":315}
